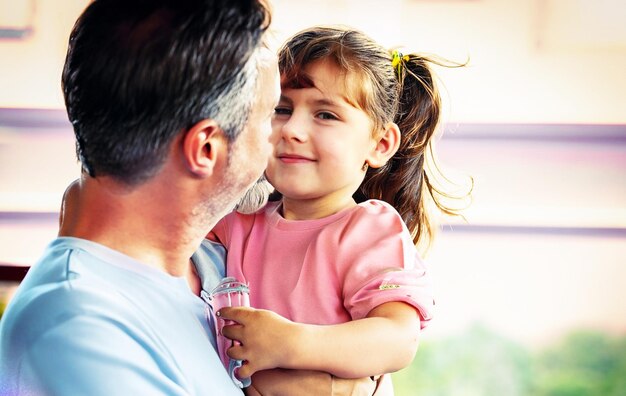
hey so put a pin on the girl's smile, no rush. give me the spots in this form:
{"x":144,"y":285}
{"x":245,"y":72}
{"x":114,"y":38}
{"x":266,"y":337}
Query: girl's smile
{"x":294,"y":159}
{"x":321,"y":142}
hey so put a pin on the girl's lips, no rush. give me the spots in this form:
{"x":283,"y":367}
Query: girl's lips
{"x":293,"y":159}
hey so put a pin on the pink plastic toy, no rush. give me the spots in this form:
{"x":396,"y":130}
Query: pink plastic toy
{"x":229,"y":293}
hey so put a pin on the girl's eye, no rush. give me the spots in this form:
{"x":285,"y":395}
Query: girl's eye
{"x":324,"y":115}
{"x":282,"y":111}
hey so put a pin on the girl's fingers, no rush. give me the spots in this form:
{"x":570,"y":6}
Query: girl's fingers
{"x":233,"y":331}
{"x":237,"y":314}
{"x":236,"y":352}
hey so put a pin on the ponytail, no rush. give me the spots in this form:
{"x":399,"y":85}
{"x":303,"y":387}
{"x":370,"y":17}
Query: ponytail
{"x":405,"y":181}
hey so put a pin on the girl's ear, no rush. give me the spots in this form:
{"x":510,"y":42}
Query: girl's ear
{"x":204,"y":145}
{"x":386,"y":146}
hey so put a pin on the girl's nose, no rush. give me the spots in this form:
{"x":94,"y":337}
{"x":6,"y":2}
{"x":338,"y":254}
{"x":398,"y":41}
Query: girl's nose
{"x":294,"y":128}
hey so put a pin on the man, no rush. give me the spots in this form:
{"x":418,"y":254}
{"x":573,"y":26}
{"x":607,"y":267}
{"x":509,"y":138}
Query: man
{"x":171,"y":104}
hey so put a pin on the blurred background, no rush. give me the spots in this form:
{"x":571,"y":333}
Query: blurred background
{"x":531,"y":288}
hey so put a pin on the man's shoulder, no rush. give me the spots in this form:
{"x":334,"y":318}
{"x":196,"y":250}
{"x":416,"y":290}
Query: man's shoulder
{"x":45,"y":313}
{"x":45,"y":303}
{"x":57,"y":291}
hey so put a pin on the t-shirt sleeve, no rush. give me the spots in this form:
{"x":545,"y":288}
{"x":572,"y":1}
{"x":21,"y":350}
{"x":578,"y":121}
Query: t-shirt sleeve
{"x":57,"y":363}
{"x":382,"y":264}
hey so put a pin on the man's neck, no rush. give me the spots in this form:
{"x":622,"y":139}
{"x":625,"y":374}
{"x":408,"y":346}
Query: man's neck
{"x":147,"y":223}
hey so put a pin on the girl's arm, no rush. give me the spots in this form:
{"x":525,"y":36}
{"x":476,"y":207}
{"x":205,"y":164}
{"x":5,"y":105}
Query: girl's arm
{"x":385,"y":341}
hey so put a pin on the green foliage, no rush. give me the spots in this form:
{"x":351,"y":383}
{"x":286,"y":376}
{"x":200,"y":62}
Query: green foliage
{"x":482,"y":363}
{"x":477,"y":363}
{"x":582,"y":364}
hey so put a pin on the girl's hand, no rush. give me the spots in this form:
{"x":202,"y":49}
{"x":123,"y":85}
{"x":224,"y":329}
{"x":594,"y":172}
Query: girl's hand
{"x":267,"y":339}
{"x":383,"y":342}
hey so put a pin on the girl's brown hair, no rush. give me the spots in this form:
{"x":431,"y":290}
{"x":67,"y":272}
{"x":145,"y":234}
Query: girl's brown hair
{"x":405,"y":94}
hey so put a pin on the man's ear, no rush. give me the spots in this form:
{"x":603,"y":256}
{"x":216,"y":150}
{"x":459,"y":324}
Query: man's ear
{"x":204,"y":145}
{"x":386,"y":146}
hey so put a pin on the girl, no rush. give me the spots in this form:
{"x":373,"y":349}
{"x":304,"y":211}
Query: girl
{"x":335,"y":278}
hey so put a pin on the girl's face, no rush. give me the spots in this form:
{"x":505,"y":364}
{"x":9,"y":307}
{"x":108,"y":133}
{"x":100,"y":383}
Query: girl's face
{"x":321,"y":141}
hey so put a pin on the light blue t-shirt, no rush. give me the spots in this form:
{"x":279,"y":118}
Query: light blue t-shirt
{"x":88,"y":320}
